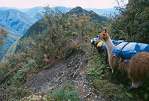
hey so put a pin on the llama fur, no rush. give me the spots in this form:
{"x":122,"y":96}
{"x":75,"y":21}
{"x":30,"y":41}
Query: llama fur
{"x":137,"y":68}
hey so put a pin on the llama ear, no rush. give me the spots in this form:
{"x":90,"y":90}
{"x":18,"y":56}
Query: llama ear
{"x":100,"y":30}
{"x":105,"y":30}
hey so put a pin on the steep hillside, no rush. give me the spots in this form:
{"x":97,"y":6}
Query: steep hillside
{"x":53,"y":61}
{"x":15,"y":20}
{"x":17,"y":23}
{"x":40,"y":27}
{"x":35,"y":29}
{"x":79,"y":12}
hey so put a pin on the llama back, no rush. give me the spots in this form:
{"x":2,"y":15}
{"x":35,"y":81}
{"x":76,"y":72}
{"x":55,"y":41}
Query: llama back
{"x":127,"y":50}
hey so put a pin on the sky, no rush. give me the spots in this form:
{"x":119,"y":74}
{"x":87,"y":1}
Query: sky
{"x":98,"y":4}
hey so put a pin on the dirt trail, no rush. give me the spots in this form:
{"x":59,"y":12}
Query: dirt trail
{"x":71,"y":69}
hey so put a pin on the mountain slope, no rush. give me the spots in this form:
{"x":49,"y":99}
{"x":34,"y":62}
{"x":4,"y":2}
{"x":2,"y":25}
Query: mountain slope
{"x":38,"y":28}
{"x":79,"y":12}
{"x":16,"y":20}
{"x":17,"y":23}
{"x":34,"y":30}
{"x":32,"y":12}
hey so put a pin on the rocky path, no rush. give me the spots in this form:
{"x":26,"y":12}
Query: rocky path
{"x":72,"y":69}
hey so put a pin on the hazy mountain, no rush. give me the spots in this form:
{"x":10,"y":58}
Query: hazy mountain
{"x":38,"y":28}
{"x":15,"y":19}
{"x":63,"y":9}
{"x":32,"y":12}
{"x":17,"y":23}
{"x":4,"y":8}
{"x":105,"y":11}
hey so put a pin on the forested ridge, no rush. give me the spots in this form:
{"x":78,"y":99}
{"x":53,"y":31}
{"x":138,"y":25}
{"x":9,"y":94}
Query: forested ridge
{"x":56,"y":37}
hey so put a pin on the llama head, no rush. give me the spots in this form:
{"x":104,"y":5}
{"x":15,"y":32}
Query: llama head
{"x":104,"y":35}
{"x":86,"y":36}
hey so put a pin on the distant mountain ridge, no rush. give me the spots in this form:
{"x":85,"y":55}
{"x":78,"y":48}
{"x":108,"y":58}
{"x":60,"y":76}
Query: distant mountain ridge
{"x":16,"y":20}
{"x":17,"y":23}
{"x":38,"y":28}
{"x":34,"y":10}
{"x":104,"y":11}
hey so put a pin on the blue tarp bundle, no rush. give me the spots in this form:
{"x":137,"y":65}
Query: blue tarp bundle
{"x":130,"y":49}
{"x":93,"y":41}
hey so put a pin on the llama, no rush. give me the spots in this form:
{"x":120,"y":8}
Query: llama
{"x":97,"y":43}
{"x":110,"y":46}
{"x":88,"y":39}
{"x":137,"y":67}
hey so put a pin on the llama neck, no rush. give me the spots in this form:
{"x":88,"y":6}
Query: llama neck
{"x":110,"y":46}
{"x":88,"y":39}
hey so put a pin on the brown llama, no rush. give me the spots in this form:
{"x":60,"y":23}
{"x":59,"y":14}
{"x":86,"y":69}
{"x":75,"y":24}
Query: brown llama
{"x":88,"y":39}
{"x":137,"y":67}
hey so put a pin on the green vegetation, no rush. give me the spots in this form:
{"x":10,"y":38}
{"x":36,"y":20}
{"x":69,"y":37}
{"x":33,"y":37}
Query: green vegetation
{"x":56,"y":35}
{"x":48,"y":40}
{"x":133,"y":22}
{"x":3,"y":35}
{"x":112,"y":88}
{"x":65,"y":93}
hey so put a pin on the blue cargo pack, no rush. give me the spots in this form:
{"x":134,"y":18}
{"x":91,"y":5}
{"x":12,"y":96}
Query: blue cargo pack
{"x":126,"y":50}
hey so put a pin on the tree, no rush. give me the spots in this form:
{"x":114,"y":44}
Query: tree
{"x":132,"y":20}
{"x":3,"y":35}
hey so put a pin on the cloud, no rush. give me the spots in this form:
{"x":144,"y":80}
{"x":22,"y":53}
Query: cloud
{"x":67,"y":3}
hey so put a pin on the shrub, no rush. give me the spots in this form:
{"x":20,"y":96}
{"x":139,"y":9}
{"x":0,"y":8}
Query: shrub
{"x":65,"y":93}
{"x":74,"y":34}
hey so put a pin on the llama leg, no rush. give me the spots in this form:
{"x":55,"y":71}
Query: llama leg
{"x":112,"y":71}
{"x":136,"y":84}
{"x":106,"y":55}
{"x":113,"y":62}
